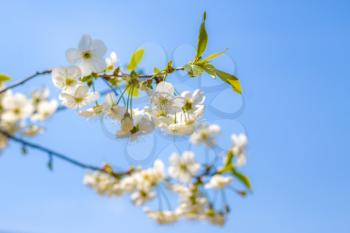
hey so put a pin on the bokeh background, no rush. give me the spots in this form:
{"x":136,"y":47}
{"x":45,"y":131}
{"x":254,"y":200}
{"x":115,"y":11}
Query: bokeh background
{"x":292,"y":58}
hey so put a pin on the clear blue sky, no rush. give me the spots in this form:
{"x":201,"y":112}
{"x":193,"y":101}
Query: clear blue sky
{"x":293,"y":59}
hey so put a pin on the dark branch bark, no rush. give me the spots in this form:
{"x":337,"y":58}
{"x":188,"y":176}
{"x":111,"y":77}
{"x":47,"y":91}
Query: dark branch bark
{"x":25,"y":80}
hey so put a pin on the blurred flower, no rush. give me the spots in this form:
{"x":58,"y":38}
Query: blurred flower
{"x":218,"y":182}
{"x":16,"y":107}
{"x":239,"y":148}
{"x":184,"y":167}
{"x":205,"y":134}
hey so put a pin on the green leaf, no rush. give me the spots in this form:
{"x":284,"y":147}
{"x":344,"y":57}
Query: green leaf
{"x":213,"y":56}
{"x":230,"y":79}
{"x":4,"y":78}
{"x":136,"y":59}
{"x":210,"y":69}
{"x":202,"y":38}
{"x":242,"y":178}
{"x":193,"y":70}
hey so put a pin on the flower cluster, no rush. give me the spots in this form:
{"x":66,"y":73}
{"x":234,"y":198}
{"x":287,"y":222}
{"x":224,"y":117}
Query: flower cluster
{"x":173,"y":113}
{"x":185,"y":177}
{"x":22,"y":114}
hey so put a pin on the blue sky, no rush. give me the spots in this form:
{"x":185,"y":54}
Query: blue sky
{"x":292,"y":59}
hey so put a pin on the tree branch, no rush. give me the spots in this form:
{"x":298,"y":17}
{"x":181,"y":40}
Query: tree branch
{"x":25,"y":80}
{"x":52,"y":153}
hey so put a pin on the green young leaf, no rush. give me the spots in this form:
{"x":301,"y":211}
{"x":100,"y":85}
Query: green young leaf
{"x":136,"y":59}
{"x":4,"y":78}
{"x":202,"y":38}
{"x":193,"y":70}
{"x":213,"y":56}
{"x":230,"y":79}
{"x":209,"y":68}
{"x":242,"y":178}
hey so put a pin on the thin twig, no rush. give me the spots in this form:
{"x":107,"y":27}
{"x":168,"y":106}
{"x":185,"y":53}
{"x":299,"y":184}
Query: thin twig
{"x":25,"y":80}
{"x":52,"y":153}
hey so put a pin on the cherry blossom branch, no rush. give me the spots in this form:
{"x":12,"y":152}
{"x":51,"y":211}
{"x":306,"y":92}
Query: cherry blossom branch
{"x":51,"y":153}
{"x":25,"y":80}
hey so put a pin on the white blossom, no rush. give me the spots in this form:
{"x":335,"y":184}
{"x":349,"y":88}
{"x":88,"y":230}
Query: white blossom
{"x":162,"y":217}
{"x":40,"y":95}
{"x":79,"y":97}
{"x":66,"y":78}
{"x":139,"y":123}
{"x":193,"y":205}
{"x":239,"y":148}
{"x":103,"y":183}
{"x":218,"y":182}
{"x":142,"y":195}
{"x":205,"y":134}
{"x":152,"y":176}
{"x":44,"y":110}
{"x":184,"y":167}
{"x":193,"y":100}
{"x":94,"y":111}
{"x":111,"y":61}
{"x":112,"y":109}
{"x":89,"y":55}
{"x":163,"y":100}
{"x":182,"y":123}
{"x":16,"y":107}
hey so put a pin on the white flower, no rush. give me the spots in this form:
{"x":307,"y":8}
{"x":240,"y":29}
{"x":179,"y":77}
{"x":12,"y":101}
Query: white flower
{"x":205,"y":134}
{"x":239,"y":148}
{"x":44,"y":110}
{"x":66,"y":78}
{"x":111,"y":61}
{"x":180,"y":189}
{"x":112,"y":109}
{"x":39,"y":96}
{"x":129,"y":183}
{"x":142,"y":195}
{"x":218,"y":182}
{"x":16,"y":107}
{"x":181,"y":123}
{"x":140,"y":123}
{"x":162,"y":217}
{"x":163,"y":100}
{"x":103,"y":183}
{"x":94,"y":111}
{"x":184,"y":167}
{"x":79,"y":97}
{"x":192,"y":206}
{"x":89,"y":56}
{"x":193,"y":100}
{"x":152,"y":176}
